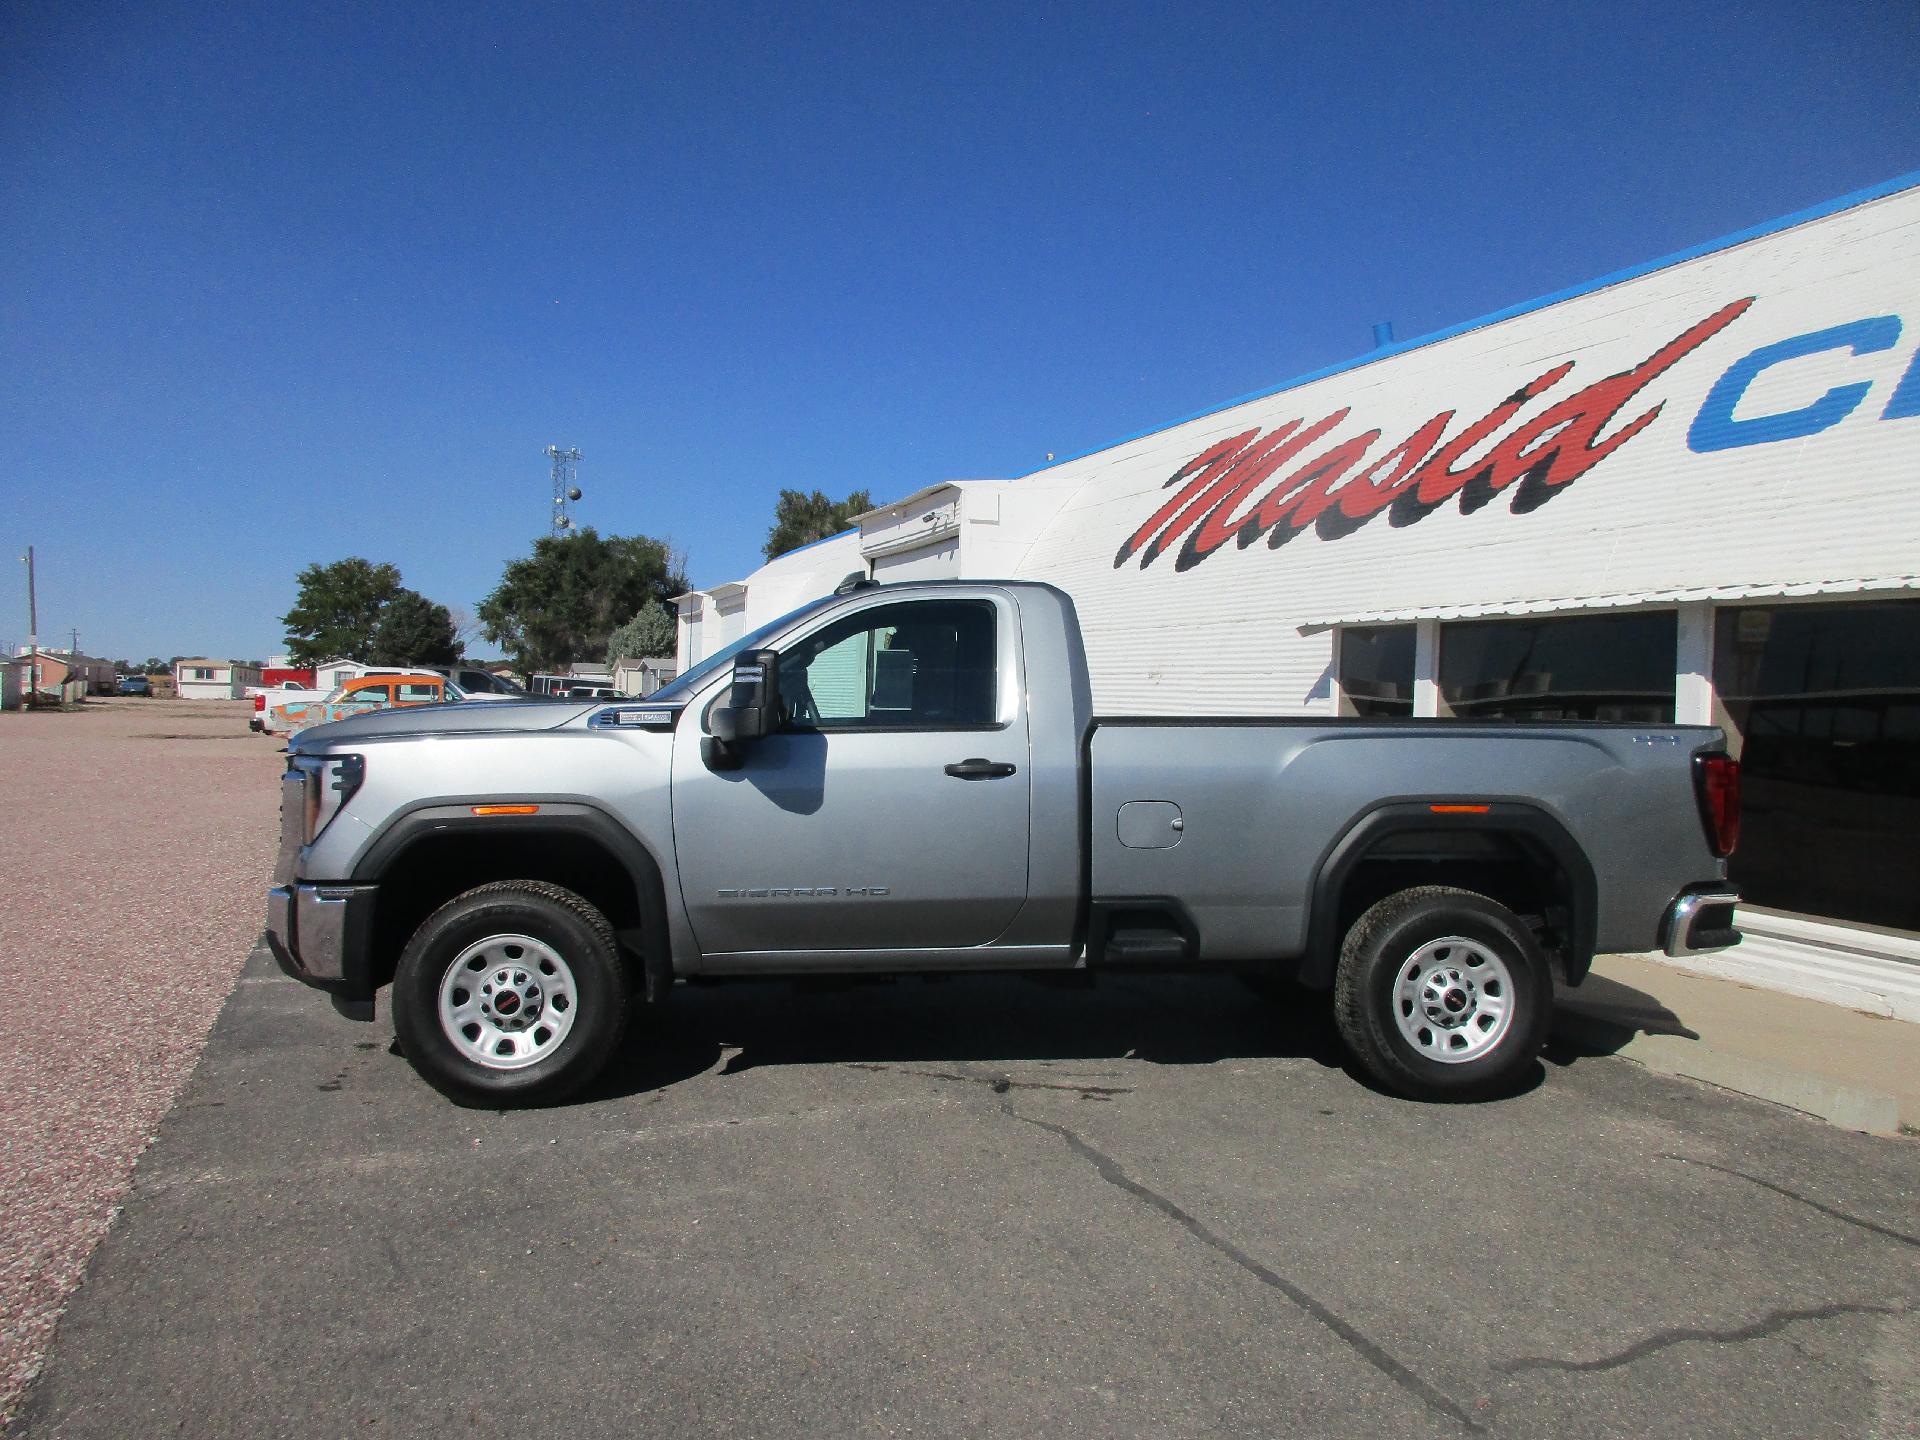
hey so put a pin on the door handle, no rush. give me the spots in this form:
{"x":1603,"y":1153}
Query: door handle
{"x":978,"y":769}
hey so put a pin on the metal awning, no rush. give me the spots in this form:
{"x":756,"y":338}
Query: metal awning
{"x":1679,"y":595}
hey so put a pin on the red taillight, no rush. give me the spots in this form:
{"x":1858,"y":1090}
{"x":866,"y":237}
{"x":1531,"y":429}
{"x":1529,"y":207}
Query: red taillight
{"x":1717,"y":778}
{"x":259,"y":702}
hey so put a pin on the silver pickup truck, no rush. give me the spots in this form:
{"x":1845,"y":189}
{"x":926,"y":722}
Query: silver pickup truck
{"x":912,"y":778}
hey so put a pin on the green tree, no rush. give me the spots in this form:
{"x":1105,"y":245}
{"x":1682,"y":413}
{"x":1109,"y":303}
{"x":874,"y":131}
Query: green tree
{"x":414,"y":631}
{"x":649,"y":635}
{"x":337,"y":610}
{"x":564,"y":602}
{"x":800,"y":519}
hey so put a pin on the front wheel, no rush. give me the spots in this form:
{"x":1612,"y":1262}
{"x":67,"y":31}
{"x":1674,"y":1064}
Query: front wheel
{"x":510,"y":994}
{"x":1441,"y":994}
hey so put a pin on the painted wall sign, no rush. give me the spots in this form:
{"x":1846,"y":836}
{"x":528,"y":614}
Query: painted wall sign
{"x":1537,"y":460}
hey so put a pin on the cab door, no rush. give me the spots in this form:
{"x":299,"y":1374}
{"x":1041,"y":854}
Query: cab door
{"x":888,"y":814}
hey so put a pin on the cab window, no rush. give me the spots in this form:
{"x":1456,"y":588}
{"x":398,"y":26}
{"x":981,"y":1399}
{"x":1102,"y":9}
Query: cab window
{"x":419,"y":693}
{"x":921,"y":664}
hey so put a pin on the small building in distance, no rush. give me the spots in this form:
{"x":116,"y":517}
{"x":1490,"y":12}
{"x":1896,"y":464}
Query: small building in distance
{"x":642,"y":677}
{"x":204,"y":679}
{"x":280,"y":670}
{"x":69,"y":674}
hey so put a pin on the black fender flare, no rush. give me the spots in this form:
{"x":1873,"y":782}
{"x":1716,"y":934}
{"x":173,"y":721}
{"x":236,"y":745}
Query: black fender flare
{"x":571,"y":817}
{"x":1501,"y":817}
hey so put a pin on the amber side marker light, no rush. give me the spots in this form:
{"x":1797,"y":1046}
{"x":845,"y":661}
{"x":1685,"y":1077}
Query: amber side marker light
{"x":504,"y":809}
{"x":1460,"y":809}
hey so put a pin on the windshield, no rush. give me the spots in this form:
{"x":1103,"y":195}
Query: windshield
{"x":683,"y":687}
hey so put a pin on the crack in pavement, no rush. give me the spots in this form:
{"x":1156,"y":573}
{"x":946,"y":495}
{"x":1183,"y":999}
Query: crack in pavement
{"x":1772,"y":1323}
{"x":999,"y":1084}
{"x":1896,"y":1235}
{"x":1368,"y":1349}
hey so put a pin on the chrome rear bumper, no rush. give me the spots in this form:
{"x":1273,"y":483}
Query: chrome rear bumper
{"x":1701,"y":921}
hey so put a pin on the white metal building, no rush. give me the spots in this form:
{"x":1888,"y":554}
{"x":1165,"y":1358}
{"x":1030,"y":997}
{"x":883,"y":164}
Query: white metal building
{"x":1688,"y":491}
{"x":205,"y":679}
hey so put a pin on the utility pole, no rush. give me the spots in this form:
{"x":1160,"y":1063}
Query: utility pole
{"x":565,"y":491}
{"x":73,"y":642}
{"x":33,"y":635}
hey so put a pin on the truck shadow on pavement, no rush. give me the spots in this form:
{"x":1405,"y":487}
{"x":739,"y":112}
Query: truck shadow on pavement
{"x":1602,"y":1016}
{"x":994,"y":1020}
{"x":967,"y":1019}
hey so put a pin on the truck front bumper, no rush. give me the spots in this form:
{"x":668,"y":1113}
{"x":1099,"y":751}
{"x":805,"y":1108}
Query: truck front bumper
{"x":319,"y":935}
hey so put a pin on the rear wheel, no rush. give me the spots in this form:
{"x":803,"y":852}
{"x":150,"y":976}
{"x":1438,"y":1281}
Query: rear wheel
{"x":512,"y":993}
{"x":1442,"y":994}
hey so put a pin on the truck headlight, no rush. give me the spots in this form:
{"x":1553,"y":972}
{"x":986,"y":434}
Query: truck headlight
{"x":330,"y":783}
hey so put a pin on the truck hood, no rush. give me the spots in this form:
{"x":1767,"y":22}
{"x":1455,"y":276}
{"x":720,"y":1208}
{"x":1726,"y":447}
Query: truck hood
{"x":456,"y":718}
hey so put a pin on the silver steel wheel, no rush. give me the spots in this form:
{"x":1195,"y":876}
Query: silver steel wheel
{"x":1453,"y":1000}
{"x":507,"y":1001}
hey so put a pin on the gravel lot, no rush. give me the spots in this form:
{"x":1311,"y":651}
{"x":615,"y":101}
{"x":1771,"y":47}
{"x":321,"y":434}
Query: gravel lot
{"x":135,"y":836}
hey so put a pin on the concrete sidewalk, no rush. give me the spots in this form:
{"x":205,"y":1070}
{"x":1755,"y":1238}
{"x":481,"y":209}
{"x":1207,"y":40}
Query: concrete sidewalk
{"x":1856,"y":1070}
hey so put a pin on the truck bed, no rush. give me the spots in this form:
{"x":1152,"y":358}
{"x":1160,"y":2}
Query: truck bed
{"x":1264,"y":806}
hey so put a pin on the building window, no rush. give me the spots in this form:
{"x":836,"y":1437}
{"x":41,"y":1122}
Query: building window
{"x":1821,"y":702}
{"x":200,"y":672}
{"x":1376,"y":670}
{"x":1571,"y":667}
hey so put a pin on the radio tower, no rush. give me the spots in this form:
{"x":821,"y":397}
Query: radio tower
{"x":565,"y":491}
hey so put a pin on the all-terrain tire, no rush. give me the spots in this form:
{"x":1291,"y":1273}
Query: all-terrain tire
{"x":513,"y":993}
{"x":1442,"y":994}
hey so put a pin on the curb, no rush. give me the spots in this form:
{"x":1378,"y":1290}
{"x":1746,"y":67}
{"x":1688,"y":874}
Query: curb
{"x":1850,"y":1107}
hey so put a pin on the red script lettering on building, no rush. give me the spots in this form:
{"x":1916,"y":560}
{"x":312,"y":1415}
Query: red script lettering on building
{"x":1537,"y":460}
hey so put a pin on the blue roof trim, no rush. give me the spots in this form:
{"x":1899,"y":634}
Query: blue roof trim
{"x":1633,"y":272}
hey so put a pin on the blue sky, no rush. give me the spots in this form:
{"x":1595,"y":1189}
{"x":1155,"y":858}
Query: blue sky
{"x":287,"y":283}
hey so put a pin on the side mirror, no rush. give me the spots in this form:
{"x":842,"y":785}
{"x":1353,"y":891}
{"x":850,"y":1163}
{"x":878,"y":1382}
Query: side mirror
{"x":752,"y":711}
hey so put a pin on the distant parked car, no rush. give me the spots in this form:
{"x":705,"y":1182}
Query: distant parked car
{"x":133,"y":685}
{"x":360,"y":695}
{"x":477,"y":684}
{"x":571,"y":686}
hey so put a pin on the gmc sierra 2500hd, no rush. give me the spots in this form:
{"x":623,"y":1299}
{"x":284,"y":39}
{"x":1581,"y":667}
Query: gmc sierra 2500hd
{"x":911,"y":778}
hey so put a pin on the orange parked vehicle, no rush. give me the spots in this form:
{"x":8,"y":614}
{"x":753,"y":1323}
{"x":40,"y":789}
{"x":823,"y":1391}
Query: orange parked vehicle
{"x":357,"y":697}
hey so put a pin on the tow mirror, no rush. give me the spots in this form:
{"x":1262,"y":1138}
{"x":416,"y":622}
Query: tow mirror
{"x":752,"y":711}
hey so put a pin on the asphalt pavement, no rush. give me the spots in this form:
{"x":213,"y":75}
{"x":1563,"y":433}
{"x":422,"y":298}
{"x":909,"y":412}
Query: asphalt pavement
{"x":984,"y":1207}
